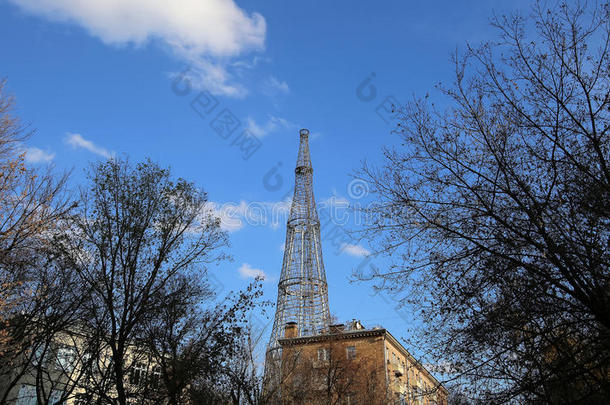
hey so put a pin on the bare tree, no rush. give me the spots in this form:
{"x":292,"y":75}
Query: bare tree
{"x":333,"y":378}
{"x":35,"y":303}
{"x":31,"y":203}
{"x":497,"y":211}
{"x":197,"y":342}
{"x":135,"y":233}
{"x":44,"y":352}
{"x":246,"y":381}
{"x":244,"y":371}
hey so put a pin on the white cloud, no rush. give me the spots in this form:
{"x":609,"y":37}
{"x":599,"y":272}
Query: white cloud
{"x":230,"y":215}
{"x":207,"y":34}
{"x":273,"y":124}
{"x":355,"y":250}
{"x":235,"y":216}
{"x":274,"y":87}
{"x":247,"y":271}
{"x":77,"y":141}
{"x":36,"y":155}
{"x":250,"y":64}
{"x":256,"y":129}
{"x":336,"y":201}
{"x":205,"y":74}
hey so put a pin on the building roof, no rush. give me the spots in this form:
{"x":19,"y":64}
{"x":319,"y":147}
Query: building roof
{"x":354,"y":334}
{"x":348,"y":334}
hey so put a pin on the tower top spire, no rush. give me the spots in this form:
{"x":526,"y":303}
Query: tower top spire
{"x":303,"y":160}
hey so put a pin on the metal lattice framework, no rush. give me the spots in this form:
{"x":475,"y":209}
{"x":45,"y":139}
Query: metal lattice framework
{"x":302,"y":295}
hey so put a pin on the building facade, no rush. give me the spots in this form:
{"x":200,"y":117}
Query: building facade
{"x":354,"y":365}
{"x":63,"y":370}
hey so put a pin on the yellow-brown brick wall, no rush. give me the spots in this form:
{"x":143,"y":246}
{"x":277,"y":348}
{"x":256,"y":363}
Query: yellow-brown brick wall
{"x":372,"y":367}
{"x":366,"y":371}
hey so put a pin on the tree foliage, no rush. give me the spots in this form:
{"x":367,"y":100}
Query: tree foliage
{"x":197,"y":346}
{"x":35,"y":301}
{"x":139,"y":244}
{"x":336,"y":379}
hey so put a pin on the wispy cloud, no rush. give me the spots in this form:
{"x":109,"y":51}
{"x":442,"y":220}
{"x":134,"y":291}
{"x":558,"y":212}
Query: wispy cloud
{"x":355,"y":250}
{"x":334,"y":201}
{"x":209,"y":35}
{"x":77,"y":141}
{"x":235,"y":216}
{"x":36,"y":155}
{"x":213,"y":76}
{"x":248,"y":64}
{"x":274,"y":87}
{"x":247,"y":271}
{"x":272,"y":124}
{"x":230,"y":215}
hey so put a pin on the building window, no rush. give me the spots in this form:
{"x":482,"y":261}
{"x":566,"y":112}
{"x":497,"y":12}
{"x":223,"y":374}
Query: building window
{"x":318,"y":382}
{"x":82,"y":399}
{"x":419,"y":396}
{"x":155,"y":377}
{"x":323,"y":354}
{"x":26,"y":395}
{"x":351,"y":352}
{"x":66,"y":357}
{"x":138,"y":374}
{"x":55,"y":397}
{"x":38,"y":355}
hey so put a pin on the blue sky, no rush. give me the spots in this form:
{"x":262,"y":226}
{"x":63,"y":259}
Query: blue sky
{"x":97,"y":80}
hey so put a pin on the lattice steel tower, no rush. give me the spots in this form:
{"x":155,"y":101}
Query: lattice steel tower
{"x":302,"y":295}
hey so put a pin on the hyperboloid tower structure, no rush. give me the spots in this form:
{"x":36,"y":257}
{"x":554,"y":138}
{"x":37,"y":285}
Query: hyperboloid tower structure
{"x":302,"y":293}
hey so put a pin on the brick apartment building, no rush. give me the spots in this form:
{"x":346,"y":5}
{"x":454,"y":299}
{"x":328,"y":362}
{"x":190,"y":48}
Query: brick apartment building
{"x":354,"y":365}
